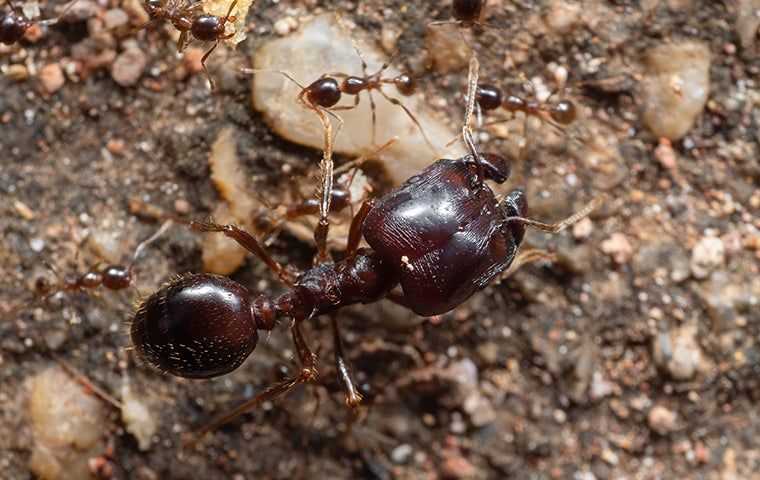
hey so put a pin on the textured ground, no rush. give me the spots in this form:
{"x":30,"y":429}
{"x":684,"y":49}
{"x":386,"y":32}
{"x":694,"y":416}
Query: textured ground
{"x":633,"y":356}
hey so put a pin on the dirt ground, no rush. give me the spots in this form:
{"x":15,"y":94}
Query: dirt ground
{"x":634,"y":355}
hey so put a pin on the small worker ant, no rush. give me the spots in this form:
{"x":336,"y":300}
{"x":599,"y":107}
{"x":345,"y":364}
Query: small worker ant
{"x":185,"y":17}
{"x":112,"y":277}
{"x":436,"y":240}
{"x":14,"y":24}
{"x":558,"y":114}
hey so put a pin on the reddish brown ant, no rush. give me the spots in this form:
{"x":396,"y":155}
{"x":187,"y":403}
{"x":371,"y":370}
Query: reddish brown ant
{"x":14,"y":24}
{"x":440,"y":237}
{"x":112,"y":277}
{"x":558,"y":114}
{"x":192,"y":23}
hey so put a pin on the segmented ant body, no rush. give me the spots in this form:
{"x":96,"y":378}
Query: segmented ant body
{"x":559,"y":114}
{"x":13,"y":24}
{"x":191,"y":22}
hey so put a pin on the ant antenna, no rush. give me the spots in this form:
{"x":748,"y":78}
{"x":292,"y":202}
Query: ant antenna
{"x":141,"y":246}
{"x":562,"y":224}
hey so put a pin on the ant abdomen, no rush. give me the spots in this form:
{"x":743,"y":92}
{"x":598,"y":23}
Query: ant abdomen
{"x":12,"y":27}
{"x":196,"y":326}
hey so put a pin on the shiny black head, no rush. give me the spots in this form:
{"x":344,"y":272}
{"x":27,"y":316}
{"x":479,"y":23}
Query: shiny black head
{"x":207,"y":28}
{"x":197,"y":326}
{"x":495,"y":167}
{"x":12,"y":27}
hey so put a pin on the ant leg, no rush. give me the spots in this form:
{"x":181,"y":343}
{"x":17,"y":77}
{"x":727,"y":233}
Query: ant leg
{"x":203,"y":64}
{"x":247,"y":241}
{"x":355,"y":231}
{"x":562,"y":224}
{"x":353,"y":397}
{"x":472,"y":86}
{"x":56,"y":19}
{"x":182,"y":41}
{"x":308,"y":373}
{"x":411,"y":116}
{"x":525,"y":257}
{"x":326,"y":167}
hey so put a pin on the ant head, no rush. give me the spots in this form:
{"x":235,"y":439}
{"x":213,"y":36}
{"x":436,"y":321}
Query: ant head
{"x":208,"y":28}
{"x":12,"y":27}
{"x":563,"y":112}
{"x":488,"y":96}
{"x":196,"y":326}
{"x":324,"y":92}
{"x":405,"y":84}
{"x":153,"y":7}
{"x":467,"y":11}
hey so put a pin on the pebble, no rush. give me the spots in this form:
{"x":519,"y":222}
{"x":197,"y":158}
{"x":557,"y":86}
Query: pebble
{"x":129,"y":66}
{"x":402,"y":453}
{"x":323,"y":46}
{"x":192,"y":59}
{"x":446,"y":52}
{"x":583,"y":228}
{"x":676,"y":87}
{"x":748,"y":23}
{"x":618,"y":247}
{"x":662,"y":420}
{"x":17,"y":72}
{"x":708,"y":254}
{"x":52,"y":78}
{"x":137,"y":417}
{"x":456,"y":467}
{"x":68,"y":424}
{"x":285,"y":25}
{"x":562,"y":16}
{"x":479,"y":409}
{"x":115,"y":18}
{"x":678,"y":352}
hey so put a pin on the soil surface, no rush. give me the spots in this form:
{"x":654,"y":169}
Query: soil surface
{"x":634,"y":355}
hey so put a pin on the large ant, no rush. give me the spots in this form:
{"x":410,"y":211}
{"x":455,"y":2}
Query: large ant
{"x":440,"y":237}
{"x":14,"y":24}
{"x":185,"y":17}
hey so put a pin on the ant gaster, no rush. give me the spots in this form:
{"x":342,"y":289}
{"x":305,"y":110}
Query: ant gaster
{"x":186,"y":18}
{"x":440,"y":237}
{"x":13,"y":24}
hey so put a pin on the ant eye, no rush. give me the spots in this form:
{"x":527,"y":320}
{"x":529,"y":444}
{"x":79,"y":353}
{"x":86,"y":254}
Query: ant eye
{"x":324,"y":92}
{"x":488,"y":97}
{"x":197,"y":326}
{"x":563,"y":112}
{"x":405,"y":84}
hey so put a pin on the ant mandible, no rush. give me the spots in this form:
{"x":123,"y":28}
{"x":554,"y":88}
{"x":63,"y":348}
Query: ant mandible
{"x":440,"y":237}
{"x":14,"y":24}
{"x":185,"y":17}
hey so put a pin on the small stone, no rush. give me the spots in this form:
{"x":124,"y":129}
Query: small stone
{"x":678,"y":352}
{"x":182,"y":206}
{"x":479,"y":409}
{"x":583,"y":228}
{"x":445,"y":48}
{"x":37,"y":244}
{"x":128,"y":67}
{"x":17,"y":72}
{"x":116,"y":146}
{"x":618,"y":247}
{"x":609,"y":456}
{"x":748,"y":23}
{"x":115,"y":18}
{"x":192,"y":59}
{"x":562,"y":16}
{"x":676,"y":87}
{"x":456,"y":467}
{"x":51,"y":77}
{"x":662,"y":420}
{"x":600,"y":387}
{"x":285,"y":25}
{"x":402,"y":453}
{"x":708,"y":255}
{"x":137,"y":417}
